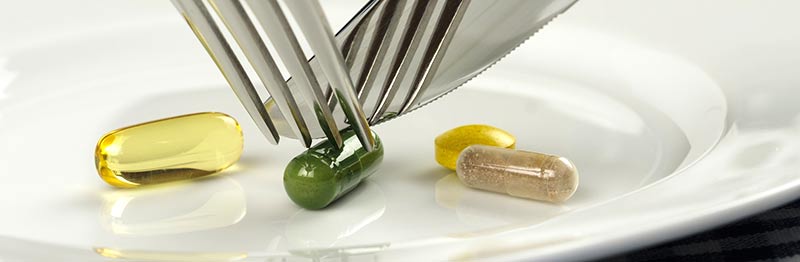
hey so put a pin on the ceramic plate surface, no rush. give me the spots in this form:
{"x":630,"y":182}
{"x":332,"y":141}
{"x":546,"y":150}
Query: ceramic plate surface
{"x":680,"y":116}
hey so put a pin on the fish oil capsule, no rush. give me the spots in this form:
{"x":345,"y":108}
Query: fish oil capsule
{"x":518,"y":173}
{"x":322,"y":174}
{"x":170,"y":149}
{"x":449,"y":144}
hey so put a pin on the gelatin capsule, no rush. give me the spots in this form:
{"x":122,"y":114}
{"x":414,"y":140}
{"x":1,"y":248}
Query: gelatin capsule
{"x":170,"y":149}
{"x":322,"y":174}
{"x":518,"y":173}
{"x":449,"y":144}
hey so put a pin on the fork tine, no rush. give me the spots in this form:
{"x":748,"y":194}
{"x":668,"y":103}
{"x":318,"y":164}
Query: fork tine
{"x":446,"y":27}
{"x":401,"y":62}
{"x":209,"y":34}
{"x":244,"y":32}
{"x":351,"y":50}
{"x":315,"y":27}
{"x":360,"y":49}
{"x":280,"y":33}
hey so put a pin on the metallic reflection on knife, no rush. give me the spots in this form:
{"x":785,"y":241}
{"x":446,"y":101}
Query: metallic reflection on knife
{"x":469,"y":37}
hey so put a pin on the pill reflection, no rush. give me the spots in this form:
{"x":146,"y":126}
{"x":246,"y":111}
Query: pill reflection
{"x":353,"y":253}
{"x":140,"y":255}
{"x":325,"y":228}
{"x":169,"y":209}
{"x":492,"y":211}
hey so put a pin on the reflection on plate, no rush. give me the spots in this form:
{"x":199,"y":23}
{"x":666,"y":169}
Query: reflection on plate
{"x":308,"y":229}
{"x":173,"y":209}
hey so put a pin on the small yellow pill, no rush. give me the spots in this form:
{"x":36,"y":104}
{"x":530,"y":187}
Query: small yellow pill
{"x":170,"y":149}
{"x":518,"y":173}
{"x":450,"y":144}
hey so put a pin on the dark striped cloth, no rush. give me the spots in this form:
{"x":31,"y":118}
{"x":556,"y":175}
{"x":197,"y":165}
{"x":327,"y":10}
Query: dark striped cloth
{"x":770,"y":236}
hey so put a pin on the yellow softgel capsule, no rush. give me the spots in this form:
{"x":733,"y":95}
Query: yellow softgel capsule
{"x":518,"y":173}
{"x":450,"y":144}
{"x":170,"y":149}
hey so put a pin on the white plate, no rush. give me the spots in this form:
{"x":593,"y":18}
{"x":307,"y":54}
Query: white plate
{"x":680,"y":116}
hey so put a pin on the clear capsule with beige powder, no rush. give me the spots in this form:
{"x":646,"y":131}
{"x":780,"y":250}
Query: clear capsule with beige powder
{"x":517,"y":173}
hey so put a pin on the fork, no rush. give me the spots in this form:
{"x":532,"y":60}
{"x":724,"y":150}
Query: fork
{"x":311,"y":21}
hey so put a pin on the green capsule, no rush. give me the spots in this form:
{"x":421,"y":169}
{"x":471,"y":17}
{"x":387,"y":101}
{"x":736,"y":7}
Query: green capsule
{"x":322,"y":174}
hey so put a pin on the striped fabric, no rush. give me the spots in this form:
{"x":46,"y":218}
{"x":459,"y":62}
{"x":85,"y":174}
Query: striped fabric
{"x":770,"y":236}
